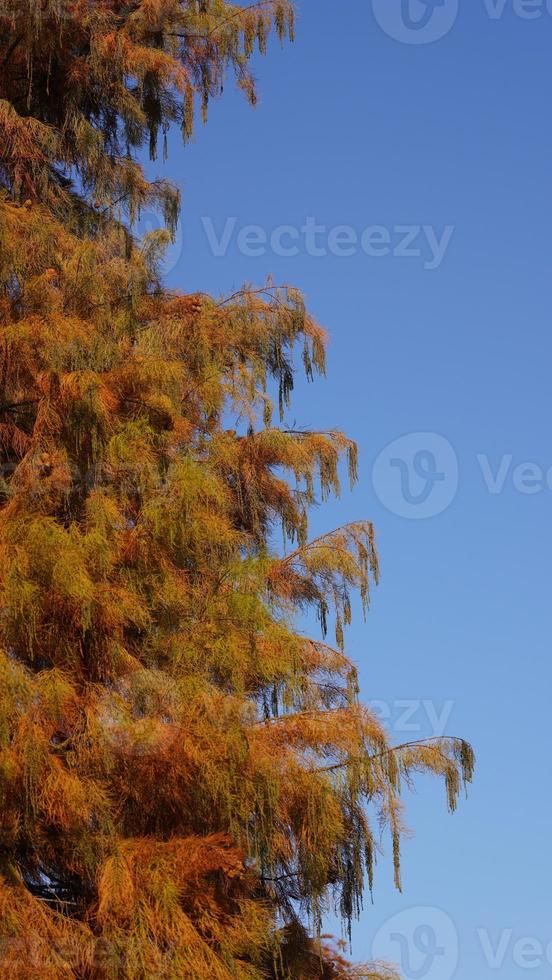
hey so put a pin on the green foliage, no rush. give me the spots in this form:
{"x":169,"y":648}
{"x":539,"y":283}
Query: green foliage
{"x":187,"y":781}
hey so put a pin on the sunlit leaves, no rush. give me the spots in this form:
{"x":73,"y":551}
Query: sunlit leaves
{"x":187,"y":782}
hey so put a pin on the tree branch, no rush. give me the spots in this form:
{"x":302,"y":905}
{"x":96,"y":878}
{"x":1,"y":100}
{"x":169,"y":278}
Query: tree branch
{"x":394,"y":748}
{"x":15,"y":44}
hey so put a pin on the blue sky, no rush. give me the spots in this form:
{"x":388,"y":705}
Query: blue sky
{"x":405,"y":142}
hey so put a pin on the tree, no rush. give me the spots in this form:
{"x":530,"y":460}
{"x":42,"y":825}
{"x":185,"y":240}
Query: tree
{"x":185,"y":778}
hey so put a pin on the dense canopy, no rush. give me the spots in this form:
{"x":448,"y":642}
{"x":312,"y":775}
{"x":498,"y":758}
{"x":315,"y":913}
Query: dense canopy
{"x":187,"y":781}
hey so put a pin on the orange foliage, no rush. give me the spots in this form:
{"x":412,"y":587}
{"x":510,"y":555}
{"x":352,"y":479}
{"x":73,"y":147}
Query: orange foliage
{"x":186,"y":780}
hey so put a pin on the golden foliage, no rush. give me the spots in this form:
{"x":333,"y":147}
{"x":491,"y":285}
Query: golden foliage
{"x":186,"y":780}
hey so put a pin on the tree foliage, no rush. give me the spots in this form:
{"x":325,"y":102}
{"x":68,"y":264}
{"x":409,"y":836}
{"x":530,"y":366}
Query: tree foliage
{"x":187,"y":781}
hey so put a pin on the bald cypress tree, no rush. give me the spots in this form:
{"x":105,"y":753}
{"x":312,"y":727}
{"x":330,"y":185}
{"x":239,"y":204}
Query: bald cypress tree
{"x":186,"y":780}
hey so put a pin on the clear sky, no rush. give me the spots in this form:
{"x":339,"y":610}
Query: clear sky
{"x":439,"y":146}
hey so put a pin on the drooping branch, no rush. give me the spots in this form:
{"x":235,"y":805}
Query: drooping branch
{"x":421,"y":743}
